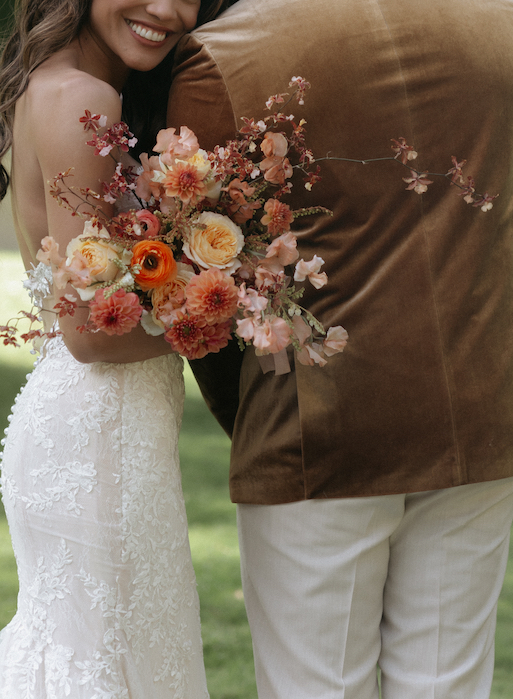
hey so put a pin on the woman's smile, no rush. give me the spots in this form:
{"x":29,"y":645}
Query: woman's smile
{"x":157,"y":36}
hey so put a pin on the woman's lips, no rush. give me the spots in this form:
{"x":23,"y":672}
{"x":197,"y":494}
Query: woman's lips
{"x":145,"y":33}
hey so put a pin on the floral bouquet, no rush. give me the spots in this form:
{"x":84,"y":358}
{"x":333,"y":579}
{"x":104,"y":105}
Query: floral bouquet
{"x":205,"y":252}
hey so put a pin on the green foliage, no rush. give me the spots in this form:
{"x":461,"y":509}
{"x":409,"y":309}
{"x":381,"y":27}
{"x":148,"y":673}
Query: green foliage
{"x":6,"y":12}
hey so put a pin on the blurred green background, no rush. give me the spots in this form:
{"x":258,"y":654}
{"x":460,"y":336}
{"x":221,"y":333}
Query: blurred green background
{"x":204,"y":453}
{"x":5,"y":14}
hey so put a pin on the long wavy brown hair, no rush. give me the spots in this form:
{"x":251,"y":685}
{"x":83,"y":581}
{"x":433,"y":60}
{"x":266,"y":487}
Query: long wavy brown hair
{"x":43,"y":27}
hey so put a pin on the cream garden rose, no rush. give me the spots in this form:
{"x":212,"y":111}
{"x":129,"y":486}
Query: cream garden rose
{"x":93,"y":250}
{"x":215,"y":242}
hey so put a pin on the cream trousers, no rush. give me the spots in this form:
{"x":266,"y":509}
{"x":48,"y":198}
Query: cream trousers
{"x":409,"y":583}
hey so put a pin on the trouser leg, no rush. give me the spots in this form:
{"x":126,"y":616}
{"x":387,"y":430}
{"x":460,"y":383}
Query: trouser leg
{"x":447,"y":564}
{"x":313,"y":577}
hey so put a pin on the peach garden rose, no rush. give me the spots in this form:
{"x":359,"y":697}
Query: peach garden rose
{"x":170,"y":295}
{"x":215,"y":241}
{"x":93,"y":251}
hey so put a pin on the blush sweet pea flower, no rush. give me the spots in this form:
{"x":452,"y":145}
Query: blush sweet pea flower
{"x":314,"y":352}
{"x":241,"y":209}
{"x":146,"y":187}
{"x":48,"y":253}
{"x":335,"y":341}
{"x":311,"y":270}
{"x":284,"y":248}
{"x":277,"y":171}
{"x":270,"y":272}
{"x":274,"y":145}
{"x":276,"y":166}
{"x":246,"y":329}
{"x":302,"y":330}
{"x":250,"y":300}
{"x":76,"y":273}
{"x":311,"y":354}
{"x":271,"y":336}
{"x":172,"y":145}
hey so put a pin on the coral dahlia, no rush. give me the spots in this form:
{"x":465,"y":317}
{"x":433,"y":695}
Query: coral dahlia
{"x":212,"y":295}
{"x":117,"y":314}
{"x":193,"y":338}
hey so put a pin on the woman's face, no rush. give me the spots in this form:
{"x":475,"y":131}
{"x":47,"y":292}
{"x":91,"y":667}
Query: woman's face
{"x":140,"y":34}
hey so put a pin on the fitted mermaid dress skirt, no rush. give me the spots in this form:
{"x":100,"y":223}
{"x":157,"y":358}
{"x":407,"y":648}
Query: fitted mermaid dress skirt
{"x":107,"y":607}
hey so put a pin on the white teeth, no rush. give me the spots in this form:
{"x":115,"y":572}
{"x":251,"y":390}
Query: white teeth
{"x":146,"y":33}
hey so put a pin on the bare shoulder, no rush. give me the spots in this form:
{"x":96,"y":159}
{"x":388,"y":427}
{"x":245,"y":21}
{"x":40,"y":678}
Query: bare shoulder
{"x":56,"y":99}
{"x":48,"y":131}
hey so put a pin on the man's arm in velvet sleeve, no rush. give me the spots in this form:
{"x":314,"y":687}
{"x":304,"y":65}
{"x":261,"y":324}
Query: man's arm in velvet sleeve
{"x":199,"y":99}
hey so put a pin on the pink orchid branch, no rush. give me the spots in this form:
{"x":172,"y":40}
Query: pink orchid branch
{"x":418,"y":181}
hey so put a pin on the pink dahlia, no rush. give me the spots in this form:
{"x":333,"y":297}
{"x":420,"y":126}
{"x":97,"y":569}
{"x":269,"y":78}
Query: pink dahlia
{"x":117,"y":314}
{"x":184,"y":180}
{"x":212,"y":295}
{"x":193,"y":338}
{"x":278,"y":216}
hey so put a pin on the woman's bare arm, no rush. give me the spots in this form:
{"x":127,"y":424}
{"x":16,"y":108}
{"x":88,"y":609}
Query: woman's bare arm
{"x":60,"y":143}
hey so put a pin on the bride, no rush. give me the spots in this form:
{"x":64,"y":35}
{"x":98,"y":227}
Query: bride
{"x":107,"y":607}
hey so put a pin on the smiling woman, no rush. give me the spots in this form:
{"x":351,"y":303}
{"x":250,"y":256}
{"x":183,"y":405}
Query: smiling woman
{"x":135,"y":35}
{"x":107,"y":603}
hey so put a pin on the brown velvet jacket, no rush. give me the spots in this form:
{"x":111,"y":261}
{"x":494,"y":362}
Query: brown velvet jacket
{"x":422,"y":397}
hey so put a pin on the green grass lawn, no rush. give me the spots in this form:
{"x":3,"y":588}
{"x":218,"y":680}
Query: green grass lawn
{"x":204,"y":456}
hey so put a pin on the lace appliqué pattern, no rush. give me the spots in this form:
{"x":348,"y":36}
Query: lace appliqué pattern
{"x":108,"y":607}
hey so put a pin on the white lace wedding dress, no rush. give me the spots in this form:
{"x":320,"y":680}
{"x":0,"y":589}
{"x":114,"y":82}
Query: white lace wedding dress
{"x":107,"y":607}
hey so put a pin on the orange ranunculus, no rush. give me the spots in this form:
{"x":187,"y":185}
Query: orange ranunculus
{"x":158,"y":265}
